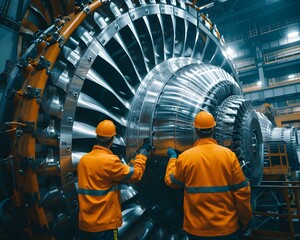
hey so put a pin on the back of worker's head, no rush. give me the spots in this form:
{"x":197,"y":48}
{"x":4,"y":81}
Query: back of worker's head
{"x":204,"y":124}
{"x":105,"y":131}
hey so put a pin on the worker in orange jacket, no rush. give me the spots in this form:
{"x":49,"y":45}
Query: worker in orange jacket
{"x":99,"y":174}
{"x":216,"y":193}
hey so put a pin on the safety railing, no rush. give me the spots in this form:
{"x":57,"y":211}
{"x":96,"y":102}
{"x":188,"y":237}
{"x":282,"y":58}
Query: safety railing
{"x":252,"y":33}
{"x":283,"y":81}
{"x":290,"y":109}
{"x":277,"y":26}
{"x":276,"y":158}
{"x":281,"y":55}
{"x":245,"y":64}
{"x":254,"y":87}
{"x":289,"y":77}
{"x":276,"y":210}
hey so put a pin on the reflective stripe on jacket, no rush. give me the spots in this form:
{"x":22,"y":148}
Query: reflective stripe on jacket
{"x":99,"y":173}
{"x":216,"y":194}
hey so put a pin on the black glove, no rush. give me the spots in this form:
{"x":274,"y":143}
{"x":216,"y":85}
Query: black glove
{"x":171,"y":153}
{"x":244,"y":231}
{"x":145,"y":148}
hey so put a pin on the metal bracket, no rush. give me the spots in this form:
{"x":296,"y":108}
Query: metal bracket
{"x":27,"y":93}
{"x":22,"y":63}
{"x":83,"y":6}
{"x":27,"y":128}
{"x":56,"y":37}
{"x":31,"y":92}
{"x":44,"y":35}
{"x":52,"y":34}
{"x":43,"y":63}
{"x":87,"y":10}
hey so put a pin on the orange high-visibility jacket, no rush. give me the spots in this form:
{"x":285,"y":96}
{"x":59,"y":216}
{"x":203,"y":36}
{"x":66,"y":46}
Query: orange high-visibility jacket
{"x":99,"y":173}
{"x":216,"y":193}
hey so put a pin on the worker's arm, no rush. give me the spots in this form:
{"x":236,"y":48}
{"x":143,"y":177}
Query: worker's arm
{"x":137,"y":165}
{"x":242,"y":194}
{"x":174,"y":176}
{"x":134,"y":171}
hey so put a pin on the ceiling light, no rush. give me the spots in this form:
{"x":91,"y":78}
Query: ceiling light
{"x":291,"y":76}
{"x":293,"y":34}
{"x":259,"y":83}
{"x":230,"y":52}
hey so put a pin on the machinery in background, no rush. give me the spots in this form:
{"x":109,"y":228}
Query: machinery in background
{"x":276,"y":206}
{"x":149,"y":66}
{"x":276,"y":210}
{"x":281,"y":150}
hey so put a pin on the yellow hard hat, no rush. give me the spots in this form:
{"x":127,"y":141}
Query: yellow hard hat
{"x":106,"y":128}
{"x":204,"y":120}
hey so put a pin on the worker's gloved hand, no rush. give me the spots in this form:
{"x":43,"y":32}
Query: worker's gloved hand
{"x":171,"y":153}
{"x":145,"y":149}
{"x":245,"y":231}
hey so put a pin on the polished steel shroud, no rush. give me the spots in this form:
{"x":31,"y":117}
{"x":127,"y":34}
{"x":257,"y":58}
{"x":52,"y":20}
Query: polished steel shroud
{"x":149,"y":66}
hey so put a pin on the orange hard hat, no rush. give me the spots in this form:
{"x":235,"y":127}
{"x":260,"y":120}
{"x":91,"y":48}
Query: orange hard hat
{"x":106,"y":128}
{"x":204,"y":120}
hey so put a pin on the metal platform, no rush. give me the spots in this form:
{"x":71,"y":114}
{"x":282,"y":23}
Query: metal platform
{"x":276,"y":210}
